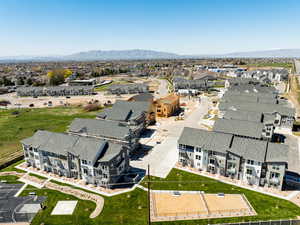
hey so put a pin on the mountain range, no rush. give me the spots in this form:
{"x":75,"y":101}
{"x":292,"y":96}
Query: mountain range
{"x":137,"y":54}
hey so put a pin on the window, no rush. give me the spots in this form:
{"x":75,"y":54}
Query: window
{"x":251,"y":162}
{"x":275,"y":167}
{"x":231,"y":165}
{"x":85,"y":171}
{"x":198,"y":157}
{"x":198,"y":149}
{"x":84,"y":162}
{"x":249,"y":172}
{"x":274,"y":175}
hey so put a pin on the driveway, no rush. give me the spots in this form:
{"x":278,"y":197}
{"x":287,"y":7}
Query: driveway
{"x":294,"y":156}
{"x":293,"y":142}
{"x":163,"y":153}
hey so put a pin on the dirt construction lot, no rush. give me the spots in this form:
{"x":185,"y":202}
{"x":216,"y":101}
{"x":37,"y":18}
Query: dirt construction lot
{"x":42,"y":102}
{"x":187,"y":205}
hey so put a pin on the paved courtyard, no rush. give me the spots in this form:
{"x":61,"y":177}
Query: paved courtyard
{"x":64,"y":208}
{"x":163,"y":153}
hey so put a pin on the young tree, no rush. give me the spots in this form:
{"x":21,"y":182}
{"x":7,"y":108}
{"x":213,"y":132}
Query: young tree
{"x":56,"y":77}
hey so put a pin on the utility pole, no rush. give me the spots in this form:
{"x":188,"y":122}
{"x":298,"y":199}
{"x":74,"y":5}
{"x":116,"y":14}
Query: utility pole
{"x":149,"y":210}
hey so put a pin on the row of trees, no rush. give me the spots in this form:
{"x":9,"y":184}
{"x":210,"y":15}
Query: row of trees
{"x":6,"y":82}
{"x":108,"y":71}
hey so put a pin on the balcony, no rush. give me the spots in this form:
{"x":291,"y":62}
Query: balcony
{"x":274,"y":181}
{"x":231,"y":171}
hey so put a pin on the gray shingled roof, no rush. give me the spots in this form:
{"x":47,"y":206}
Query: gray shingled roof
{"x":99,"y":128}
{"x":249,"y":148}
{"x":144,"y":97}
{"x":58,"y":143}
{"x":209,"y":140}
{"x":269,"y":118}
{"x":39,"y":138}
{"x":112,"y":151}
{"x":239,"y":127}
{"x":86,"y":147}
{"x":277,"y":153}
{"x":89,"y":148}
{"x":124,"y":110}
{"x":257,"y":107}
{"x":243,"y":115}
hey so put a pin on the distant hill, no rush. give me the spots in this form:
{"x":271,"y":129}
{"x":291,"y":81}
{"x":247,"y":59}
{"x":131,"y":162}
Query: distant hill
{"x":121,"y":55}
{"x":137,"y":54}
{"x":278,"y":53}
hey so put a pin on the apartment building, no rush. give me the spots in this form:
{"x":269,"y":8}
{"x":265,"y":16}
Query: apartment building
{"x":199,"y":149}
{"x":242,"y":128}
{"x":97,"y":162}
{"x":111,"y":131}
{"x":55,"y":91}
{"x":253,"y":117}
{"x":255,"y":162}
{"x":135,"y":115}
{"x":128,"y":89}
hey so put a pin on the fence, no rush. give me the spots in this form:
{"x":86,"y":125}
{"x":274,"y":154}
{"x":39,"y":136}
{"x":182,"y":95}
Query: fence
{"x":13,"y":159}
{"x":271,"y":222}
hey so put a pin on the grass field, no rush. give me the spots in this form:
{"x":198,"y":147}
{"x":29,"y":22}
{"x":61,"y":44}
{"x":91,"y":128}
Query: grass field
{"x":106,"y":86}
{"x":130,"y":208}
{"x":10,"y":179}
{"x":14,"y":128}
{"x":284,"y":65}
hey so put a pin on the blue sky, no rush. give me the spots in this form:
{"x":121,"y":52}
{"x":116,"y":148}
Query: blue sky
{"x":50,"y":27}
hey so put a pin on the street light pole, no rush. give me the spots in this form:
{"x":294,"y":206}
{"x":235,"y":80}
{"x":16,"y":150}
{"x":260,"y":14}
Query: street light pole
{"x":149,"y":210}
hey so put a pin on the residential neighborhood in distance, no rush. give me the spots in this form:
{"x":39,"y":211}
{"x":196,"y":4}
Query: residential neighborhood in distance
{"x":150,"y":112}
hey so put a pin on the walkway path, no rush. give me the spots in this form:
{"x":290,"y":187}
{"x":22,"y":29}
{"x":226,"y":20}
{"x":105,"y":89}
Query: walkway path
{"x":81,"y":195}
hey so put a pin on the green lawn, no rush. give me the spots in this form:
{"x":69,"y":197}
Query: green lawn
{"x":103,"y":87}
{"x":38,"y":176}
{"x":129,"y":208}
{"x":11,"y":179}
{"x":13,"y":128}
{"x":275,"y":64}
{"x":106,"y":86}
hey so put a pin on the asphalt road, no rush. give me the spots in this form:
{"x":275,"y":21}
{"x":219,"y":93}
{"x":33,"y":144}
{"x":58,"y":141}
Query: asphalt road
{"x":162,"y":89}
{"x":297,"y":66}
